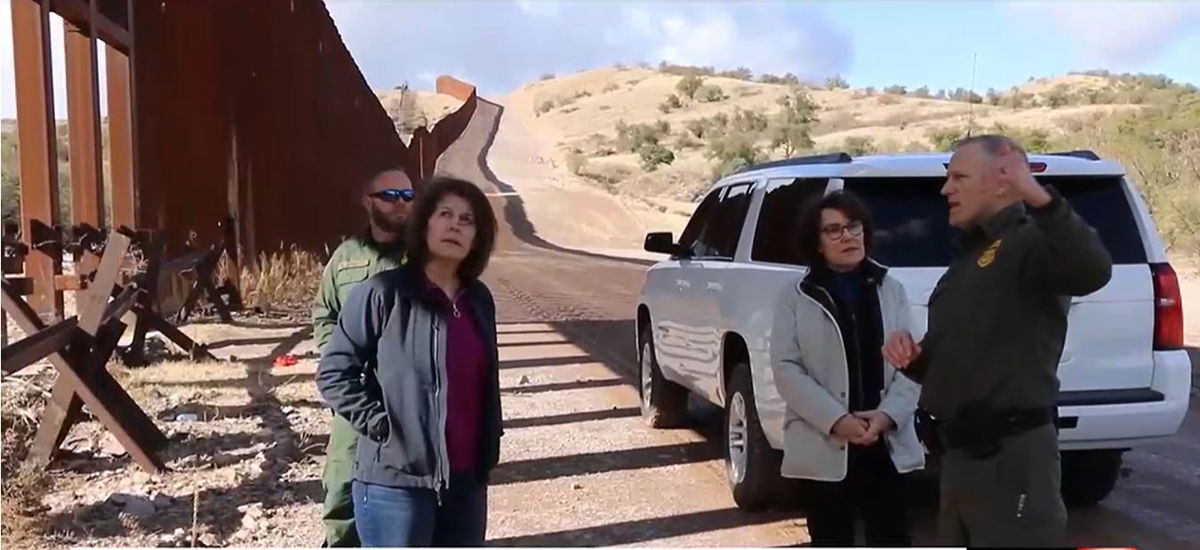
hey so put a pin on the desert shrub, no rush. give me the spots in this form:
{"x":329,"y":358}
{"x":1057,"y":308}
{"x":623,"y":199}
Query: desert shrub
{"x":895,"y":89}
{"x":710,"y":93}
{"x":544,"y":107}
{"x":546,"y":76}
{"x":837,"y":122}
{"x":689,"y":85}
{"x":888,"y":99}
{"x":687,"y":141}
{"x":733,"y":151}
{"x":576,"y":162}
{"x":858,"y":145}
{"x":685,"y":70}
{"x":888,"y":146}
{"x":740,"y":73}
{"x":699,"y":127}
{"x":654,"y":155}
{"x":943,"y":139}
{"x":632,"y":137}
{"x":836,"y":82}
{"x":671,"y":103}
{"x":611,"y":87}
{"x":1057,"y":97}
{"x":788,"y":79}
{"x":744,"y":120}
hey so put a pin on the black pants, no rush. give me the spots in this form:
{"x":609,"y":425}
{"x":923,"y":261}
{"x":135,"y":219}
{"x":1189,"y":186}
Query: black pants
{"x":873,"y":490}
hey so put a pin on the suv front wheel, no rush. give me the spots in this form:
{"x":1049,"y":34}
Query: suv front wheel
{"x":664,"y":403}
{"x":751,"y":465}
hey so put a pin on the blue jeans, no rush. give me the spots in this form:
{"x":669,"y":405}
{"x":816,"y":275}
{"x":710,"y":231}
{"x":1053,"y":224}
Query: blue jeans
{"x":401,"y":517}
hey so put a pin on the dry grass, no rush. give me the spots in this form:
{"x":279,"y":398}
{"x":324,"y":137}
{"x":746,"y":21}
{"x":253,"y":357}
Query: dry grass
{"x":284,"y":279}
{"x":23,"y":400}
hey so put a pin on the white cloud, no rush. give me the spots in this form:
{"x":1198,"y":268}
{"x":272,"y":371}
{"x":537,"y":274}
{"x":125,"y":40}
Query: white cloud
{"x":539,"y":8}
{"x":504,"y":45}
{"x":1117,"y":33}
{"x":774,"y":39}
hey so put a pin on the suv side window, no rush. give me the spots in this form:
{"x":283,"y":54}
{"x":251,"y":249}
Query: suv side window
{"x":775,"y":237}
{"x":719,"y":238}
{"x":912,"y":227}
{"x":699,"y":219}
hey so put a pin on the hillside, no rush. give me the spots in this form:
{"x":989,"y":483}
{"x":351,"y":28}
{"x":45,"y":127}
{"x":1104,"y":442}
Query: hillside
{"x":634,"y":132}
{"x":580,"y":113}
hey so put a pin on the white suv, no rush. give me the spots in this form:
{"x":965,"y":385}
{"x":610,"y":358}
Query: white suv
{"x":705,"y":317}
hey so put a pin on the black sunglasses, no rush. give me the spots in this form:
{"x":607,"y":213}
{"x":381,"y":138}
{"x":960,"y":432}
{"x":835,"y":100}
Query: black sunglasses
{"x":393,"y":195}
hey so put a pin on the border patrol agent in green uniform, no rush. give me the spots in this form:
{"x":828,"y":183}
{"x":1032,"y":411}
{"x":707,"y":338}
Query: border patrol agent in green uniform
{"x":387,"y":199}
{"x":988,"y":363}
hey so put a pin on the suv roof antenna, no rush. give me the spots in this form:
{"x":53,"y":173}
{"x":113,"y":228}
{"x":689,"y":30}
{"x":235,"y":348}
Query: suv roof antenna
{"x":971,"y":96}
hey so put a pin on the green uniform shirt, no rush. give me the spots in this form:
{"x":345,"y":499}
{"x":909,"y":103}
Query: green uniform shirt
{"x":355,"y":260}
{"x":998,"y":316}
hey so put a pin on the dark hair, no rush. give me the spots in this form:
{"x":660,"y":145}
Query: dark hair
{"x":365,"y":186}
{"x":485,"y":224}
{"x":808,"y":227}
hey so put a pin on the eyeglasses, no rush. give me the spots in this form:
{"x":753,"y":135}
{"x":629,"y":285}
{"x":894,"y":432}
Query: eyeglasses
{"x":836,"y":231}
{"x":393,"y":195}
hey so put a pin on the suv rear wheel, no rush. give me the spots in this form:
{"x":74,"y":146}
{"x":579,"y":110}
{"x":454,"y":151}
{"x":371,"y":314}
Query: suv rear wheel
{"x":1089,"y":476}
{"x":751,"y":465}
{"x":664,"y":403}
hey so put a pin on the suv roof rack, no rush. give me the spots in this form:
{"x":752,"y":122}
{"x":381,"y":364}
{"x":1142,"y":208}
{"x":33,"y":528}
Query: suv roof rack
{"x":831,"y":158}
{"x":1087,"y":154}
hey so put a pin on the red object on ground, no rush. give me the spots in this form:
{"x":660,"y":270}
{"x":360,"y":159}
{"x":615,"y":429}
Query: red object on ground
{"x":286,"y":360}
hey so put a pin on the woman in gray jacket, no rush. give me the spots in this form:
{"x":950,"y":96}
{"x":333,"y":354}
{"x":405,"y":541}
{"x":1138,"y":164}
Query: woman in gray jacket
{"x":850,"y":415}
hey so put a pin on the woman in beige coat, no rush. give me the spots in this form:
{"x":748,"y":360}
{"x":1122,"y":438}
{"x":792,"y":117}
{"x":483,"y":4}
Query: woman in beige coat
{"x":850,"y":416}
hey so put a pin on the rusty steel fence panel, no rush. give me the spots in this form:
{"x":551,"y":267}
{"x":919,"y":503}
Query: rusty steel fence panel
{"x":253,"y":112}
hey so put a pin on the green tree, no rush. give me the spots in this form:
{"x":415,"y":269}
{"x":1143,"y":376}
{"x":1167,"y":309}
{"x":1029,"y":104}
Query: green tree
{"x":10,"y":178}
{"x":733,"y":151}
{"x":791,"y":129}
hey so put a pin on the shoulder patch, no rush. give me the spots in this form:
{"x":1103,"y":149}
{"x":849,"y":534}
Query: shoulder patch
{"x":989,"y":254}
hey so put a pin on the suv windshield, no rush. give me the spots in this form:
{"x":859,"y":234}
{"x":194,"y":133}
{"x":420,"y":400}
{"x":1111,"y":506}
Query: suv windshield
{"x":911,"y":227}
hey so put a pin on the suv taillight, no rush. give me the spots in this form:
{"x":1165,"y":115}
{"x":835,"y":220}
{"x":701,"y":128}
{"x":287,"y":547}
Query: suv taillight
{"x":1168,"y":308}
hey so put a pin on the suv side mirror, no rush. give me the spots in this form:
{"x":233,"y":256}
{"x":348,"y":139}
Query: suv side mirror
{"x":663,"y":243}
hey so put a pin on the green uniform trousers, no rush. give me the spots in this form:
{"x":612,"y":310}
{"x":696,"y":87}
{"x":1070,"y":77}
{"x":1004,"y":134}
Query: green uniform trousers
{"x":1011,"y":499}
{"x":337,"y":478}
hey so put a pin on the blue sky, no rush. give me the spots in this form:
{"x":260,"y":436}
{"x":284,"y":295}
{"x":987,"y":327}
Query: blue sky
{"x":500,"y":45}
{"x":504,"y":44}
